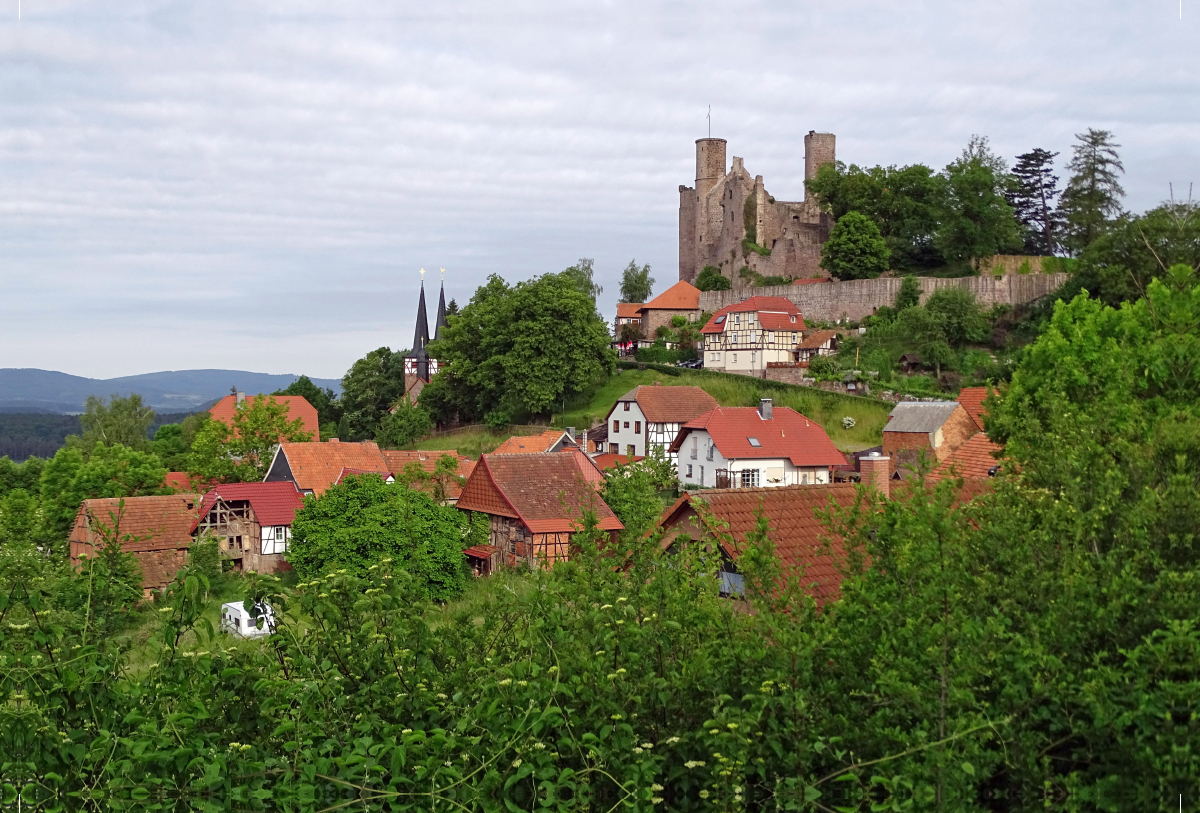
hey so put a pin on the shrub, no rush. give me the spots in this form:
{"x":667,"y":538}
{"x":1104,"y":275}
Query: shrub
{"x":848,"y":422}
{"x":822,"y":367}
{"x":710,"y":278}
{"x":855,"y":249}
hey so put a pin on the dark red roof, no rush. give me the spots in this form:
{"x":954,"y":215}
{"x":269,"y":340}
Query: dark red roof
{"x":774,"y":313}
{"x":481,"y":551}
{"x":788,"y":435}
{"x":794,"y":528}
{"x":608,"y":461}
{"x":273,"y":503}
{"x":160,"y":529}
{"x":668,"y":404}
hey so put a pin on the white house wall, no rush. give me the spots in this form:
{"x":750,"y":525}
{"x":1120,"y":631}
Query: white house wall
{"x":772,"y":472}
{"x":624,"y":435}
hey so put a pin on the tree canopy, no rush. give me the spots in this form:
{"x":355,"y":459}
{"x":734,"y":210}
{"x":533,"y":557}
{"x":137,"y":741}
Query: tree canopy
{"x":123,"y":421}
{"x":636,"y":283}
{"x":371,"y":386}
{"x":518,"y":350}
{"x":976,"y":220}
{"x":243,"y":452}
{"x":710,"y":278}
{"x":1031,"y":196}
{"x":329,"y":408}
{"x":855,"y":249}
{"x":1092,"y":198}
{"x":582,"y":274}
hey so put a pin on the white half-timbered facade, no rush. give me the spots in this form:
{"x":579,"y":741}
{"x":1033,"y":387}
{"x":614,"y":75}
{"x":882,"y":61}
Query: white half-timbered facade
{"x":649,"y":418}
{"x":746,"y":337}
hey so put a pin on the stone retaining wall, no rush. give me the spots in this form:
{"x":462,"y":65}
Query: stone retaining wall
{"x":856,"y":299}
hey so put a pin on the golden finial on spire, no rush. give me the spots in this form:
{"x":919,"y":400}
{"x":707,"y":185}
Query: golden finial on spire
{"x":422,"y":275}
{"x":443,"y":275}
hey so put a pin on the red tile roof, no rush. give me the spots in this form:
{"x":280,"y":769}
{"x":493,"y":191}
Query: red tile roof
{"x":972,"y":399}
{"x":817,"y":338}
{"x":179,"y":480}
{"x":811,"y":280}
{"x":165,"y":522}
{"x":774,"y":313}
{"x":427,"y":460}
{"x":298,"y":407}
{"x":788,"y":435}
{"x":481,"y":551}
{"x":661,"y":404}
{"x":608,"y":461}
{"x":680,"y":296}
{"x":273,"y":503}
{"x":530,"y":444}
{"x":971,"y":460}
{"x":546,"y":492}
{"x":629,"y":310}
{"x":794,"y":528}
{"x":316,"y":466}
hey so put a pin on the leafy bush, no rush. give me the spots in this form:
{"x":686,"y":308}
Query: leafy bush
{"x":822,"y":367}
{"x":710,"y":278}
{"x":855,"y":249}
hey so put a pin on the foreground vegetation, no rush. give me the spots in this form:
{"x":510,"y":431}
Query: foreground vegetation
{"x":1034,"y":649}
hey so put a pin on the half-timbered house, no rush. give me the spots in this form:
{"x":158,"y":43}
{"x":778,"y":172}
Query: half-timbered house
{"x":252,"y":523}
{"x":746,"y":337}
{"x":648,"y":418}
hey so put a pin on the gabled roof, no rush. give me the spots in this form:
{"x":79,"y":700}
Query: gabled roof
{"x":316,"y":466}
{"x":179,"y":480}
{"x":918,"y":416}
{"x":795,"y":529}
{"x":298,"y":407}
{"x":680,"y":296}
{"x":661,"y":404}
{"x":440,"y":321}
{"x":774,"y":313}
{"x":816,"y":339}
{"x":273,"y":503}
{"x":972,"y":399}
{"x":547,"y":492}
{"x":532,"y":444}
{"x":973,"y":459}
{"x":629,"y":310}
{"x":421,"y":335}
{"x":428,"y":460}
{"x":788,"y":435}
{"x":165,"y":521}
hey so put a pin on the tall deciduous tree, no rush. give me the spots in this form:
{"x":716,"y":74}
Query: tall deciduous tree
{"x":363,"y":520}
{"x":119,"y":421}
{"x":582,"y":274}
{"x":1093,"y":195}
{"x":1119,"y":264}
{"x":976,"y":219}
{"x":405,"y":424}
{"x":243,"y":452}
{"x":1032,"y":198}
{"x":636,"y":283}
{"x":369,"y":389}
{"x":329,"y":410}
{"x":518,"y":349}
{"x":855,"y":249}
{"x":903,"y":202}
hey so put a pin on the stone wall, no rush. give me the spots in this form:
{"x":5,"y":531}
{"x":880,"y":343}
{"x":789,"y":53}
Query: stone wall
{"x":856,"y":299}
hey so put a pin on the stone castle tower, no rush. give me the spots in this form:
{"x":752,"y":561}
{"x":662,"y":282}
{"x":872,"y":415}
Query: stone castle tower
{"x":729,"y":220}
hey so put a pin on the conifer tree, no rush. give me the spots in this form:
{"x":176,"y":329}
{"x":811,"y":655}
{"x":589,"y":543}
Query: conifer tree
{"x":1032,"y":199}
{"x":1092,"y":198}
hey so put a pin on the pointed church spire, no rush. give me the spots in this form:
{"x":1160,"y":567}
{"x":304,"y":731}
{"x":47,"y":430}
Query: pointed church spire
{"x":441,"y":314}
{"x":422,"y":335}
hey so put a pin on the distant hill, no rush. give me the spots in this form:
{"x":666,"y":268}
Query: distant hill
{"x":46,"y":391}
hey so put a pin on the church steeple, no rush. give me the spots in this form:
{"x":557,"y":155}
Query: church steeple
{"x":441,"y":314}
{"x":422,"y":335}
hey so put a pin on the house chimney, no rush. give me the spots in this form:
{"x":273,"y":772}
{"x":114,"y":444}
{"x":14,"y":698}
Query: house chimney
{"x":764,"y":408}
{"x":571,"y":433}
{"x":877,"y":472}
{"x":241,"y":397}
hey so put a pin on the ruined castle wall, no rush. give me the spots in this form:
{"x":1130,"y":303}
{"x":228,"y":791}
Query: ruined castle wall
{"x":856,"y":299}
{"x":687,"y":234}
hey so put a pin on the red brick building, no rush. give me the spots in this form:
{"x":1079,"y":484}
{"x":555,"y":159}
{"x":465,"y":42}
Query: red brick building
{"x":934,"y":429}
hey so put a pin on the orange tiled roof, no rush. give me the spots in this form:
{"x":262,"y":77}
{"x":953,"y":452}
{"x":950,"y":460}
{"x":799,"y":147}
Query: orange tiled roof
{"x":972,"y":399}
{"x":179,"y":480}
{"x":787,"y":435}
{"x":817,"y":338}
{"x":546,"y":492}
{"x":298,"y":407}
{"x":165,"y":522}
{"x":680,"y":296}
{"x":661,"y":404}
{"x":608,"y":461}
{"x":629,"y":310}
{"x":971,"y":460}
{"x":530,"y":444}
{"x":795,"y":530}
{"x":316,"y":466}
{"x":428,"y":460}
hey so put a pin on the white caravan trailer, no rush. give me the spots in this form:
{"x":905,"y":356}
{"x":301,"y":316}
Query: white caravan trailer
{"x":237,"y":621}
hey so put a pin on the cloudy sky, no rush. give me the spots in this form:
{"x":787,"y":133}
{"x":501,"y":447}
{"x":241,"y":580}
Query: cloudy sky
{"x":254,"y":185}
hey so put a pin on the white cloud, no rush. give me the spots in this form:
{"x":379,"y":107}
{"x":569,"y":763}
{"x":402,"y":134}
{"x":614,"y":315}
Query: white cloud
{"x":257,"y":183}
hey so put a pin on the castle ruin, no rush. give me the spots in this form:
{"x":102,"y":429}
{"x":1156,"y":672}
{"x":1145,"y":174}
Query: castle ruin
{"x":729,"y":220}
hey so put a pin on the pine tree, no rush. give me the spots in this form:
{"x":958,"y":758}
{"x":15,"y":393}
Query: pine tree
{"x":1032,"y":198}
{"x":1092,"y":197}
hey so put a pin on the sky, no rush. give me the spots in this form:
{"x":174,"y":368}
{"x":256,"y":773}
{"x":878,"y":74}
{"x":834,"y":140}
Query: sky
{"x":255,"y":185}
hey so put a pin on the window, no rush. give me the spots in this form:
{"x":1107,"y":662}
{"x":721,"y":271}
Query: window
{"x":793,"y":338}
{"x":749,"y":478}
{"x":626,"y":424}
{"x":689,"y":474}
{"x":275,"y":539}
{"x":752,"y":357}
{"x":754,"y":442}
{"x":616,"y":426}
{"x":711,"y":447}
{"x":614,"y":448}
{"x":626,"y":405}
{"x":629,"y":450}
{"x":735,"y":358}
{"x":637,"y":427}
{"x":701,"y":475}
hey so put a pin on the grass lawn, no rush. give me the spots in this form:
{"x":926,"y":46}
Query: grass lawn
{"x":827,"y":409}
{"x":475,"y":442}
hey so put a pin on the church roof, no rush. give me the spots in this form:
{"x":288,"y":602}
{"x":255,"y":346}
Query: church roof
{"x":421,"y":338}
{"x":441,"y":314}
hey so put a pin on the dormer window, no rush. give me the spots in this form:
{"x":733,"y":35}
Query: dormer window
{"x":754,"y":442}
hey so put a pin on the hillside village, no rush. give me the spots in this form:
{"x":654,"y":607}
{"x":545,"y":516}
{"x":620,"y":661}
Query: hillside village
{"x":766,"y":531}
